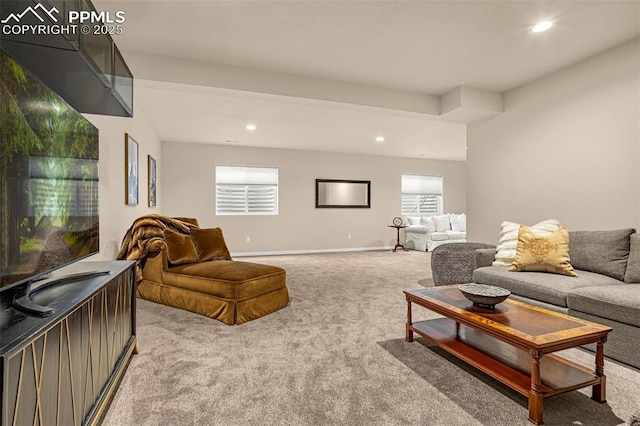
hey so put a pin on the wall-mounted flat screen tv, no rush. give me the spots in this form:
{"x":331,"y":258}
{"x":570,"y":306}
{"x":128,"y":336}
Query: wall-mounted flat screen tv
{"x":48,"y":179}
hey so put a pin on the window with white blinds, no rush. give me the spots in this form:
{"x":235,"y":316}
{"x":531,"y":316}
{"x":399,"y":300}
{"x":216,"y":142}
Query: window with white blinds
{"x":421,"y":195}
{"x":244,"y":190}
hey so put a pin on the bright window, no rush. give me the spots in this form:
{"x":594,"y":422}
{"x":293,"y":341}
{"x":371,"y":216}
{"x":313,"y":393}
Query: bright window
{"x":421,"y":194}
{"x":246,"y":190}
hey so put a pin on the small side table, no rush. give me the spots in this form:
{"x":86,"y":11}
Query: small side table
{"x":398,"y":228}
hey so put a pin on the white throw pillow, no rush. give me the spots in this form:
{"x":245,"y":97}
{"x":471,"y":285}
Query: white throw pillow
{"x":508,"y":242}
{"x":458,"y":222}
{"x":413,"y":220}
{"x":442,"y":222}
{"x":428,"y":222}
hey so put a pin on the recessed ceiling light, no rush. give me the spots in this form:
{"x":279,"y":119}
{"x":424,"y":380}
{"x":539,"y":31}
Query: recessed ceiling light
{"x":542,"y":26}
{"x":379,"y":138}
{"x":250,"y":127}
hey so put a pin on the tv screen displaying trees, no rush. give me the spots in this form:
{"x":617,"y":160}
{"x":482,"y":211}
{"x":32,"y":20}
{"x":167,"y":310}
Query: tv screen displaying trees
{"x":48,"y":178}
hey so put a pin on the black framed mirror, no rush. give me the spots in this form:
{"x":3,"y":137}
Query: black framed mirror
{"x":341,"y":193}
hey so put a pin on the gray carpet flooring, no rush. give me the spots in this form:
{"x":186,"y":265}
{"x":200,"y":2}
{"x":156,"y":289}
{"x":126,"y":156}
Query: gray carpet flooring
{"x":335,"y":356}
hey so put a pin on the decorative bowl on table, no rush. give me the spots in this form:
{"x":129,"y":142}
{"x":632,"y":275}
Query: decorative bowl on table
{"x":484,"y":296}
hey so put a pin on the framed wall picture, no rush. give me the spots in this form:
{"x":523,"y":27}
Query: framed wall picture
{"x":131,"y":170}
{"x":151,"y":171}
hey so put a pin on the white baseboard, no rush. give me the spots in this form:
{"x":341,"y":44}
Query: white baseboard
{"x":312,"y":251}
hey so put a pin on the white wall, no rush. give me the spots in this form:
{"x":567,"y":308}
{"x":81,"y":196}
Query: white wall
{"x":567,"y":146}
{"x":199,"y":73}
{"x":188,"y":189}
{"x":115,"y":216}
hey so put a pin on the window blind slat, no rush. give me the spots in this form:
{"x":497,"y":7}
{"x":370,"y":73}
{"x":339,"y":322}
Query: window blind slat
{"x":420,"y":204}
{"x":246,"y":190}
{"x":421,"y":194}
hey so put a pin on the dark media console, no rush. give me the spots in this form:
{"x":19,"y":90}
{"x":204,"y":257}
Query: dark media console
{"x":23,"y":301}
{"x":64,"y":368}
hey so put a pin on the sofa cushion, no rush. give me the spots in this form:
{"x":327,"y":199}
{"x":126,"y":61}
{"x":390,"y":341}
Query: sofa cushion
{"x":428,"y":223}
{"x":210,"y":244}
{"x":440,"y":236}
{"x":456,"y":235}
{"x":227,"y":279}
{"x":543,"y":253}
{"x":413,"y":220}
{"x":180,"y":248}
{"x":632,"y":275}
{"x":508,"y":241}
{"x":616,"y":302}
{"x":442,"y":222}
{"x":418,"y":229}
{"x":458,"y":222}
{"x":549,"y":288}
{"x":604,"y":252}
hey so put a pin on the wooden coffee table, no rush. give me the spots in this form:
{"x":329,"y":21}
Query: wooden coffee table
{"x":513,"y":343}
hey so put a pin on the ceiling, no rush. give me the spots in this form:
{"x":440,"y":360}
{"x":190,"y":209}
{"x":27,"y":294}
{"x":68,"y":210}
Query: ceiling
{"x":428,"y":47}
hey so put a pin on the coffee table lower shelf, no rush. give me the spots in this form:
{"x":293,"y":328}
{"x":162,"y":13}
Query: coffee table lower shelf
{"x":505,"y":363}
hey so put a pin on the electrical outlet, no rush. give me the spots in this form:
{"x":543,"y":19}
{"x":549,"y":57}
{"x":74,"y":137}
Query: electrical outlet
{"x":248,"y":239}
{"x":348,"y":236}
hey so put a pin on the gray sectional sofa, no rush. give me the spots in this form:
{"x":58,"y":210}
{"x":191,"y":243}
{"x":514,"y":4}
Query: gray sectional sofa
{"x":606,"y":290}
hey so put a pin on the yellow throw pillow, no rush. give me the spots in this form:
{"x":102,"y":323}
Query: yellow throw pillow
{"x":543,"y":253}
{"x":210,"y":244}
{"x":180,"y":248}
